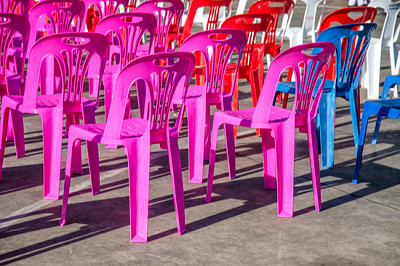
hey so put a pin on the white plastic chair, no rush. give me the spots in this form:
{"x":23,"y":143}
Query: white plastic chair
{"x":388,"y":39}
{"x":308,"y":29}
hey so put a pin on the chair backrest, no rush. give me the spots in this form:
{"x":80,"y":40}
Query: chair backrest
{"x":307,"y":66}
{"x":73,"y":52}
{"x":348,"y":15}
{"x":352,"y":42}
{"x":390,"y":32}
{"x":15,"y":6}
{"x":252,"y":24}
{"x":62,"y":14}
{"x":161,"y":83}
{"x":216,"y":48}
{"x":165,"y":11}
{"x":213,"y":15}
{"x":129,"y":29}
{"x":280,"y":10}
{"x":103,"y":7}
{"x":309,"y":18}
{"x":12,"y":25}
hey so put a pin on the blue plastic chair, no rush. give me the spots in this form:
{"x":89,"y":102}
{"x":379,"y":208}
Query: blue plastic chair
{"x":385,"y":107}
{"x":351,"y":43}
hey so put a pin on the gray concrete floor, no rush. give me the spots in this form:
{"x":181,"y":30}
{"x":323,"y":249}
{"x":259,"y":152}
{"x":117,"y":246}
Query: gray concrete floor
{"x":358,"y":225}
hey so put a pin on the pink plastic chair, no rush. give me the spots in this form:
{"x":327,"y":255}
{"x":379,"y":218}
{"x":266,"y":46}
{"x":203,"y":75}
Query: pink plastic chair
{"x":278,"y":125}
{"x":165,"y":12}
{"x":129,"y":28}
{"x":216,"y":48}
{"x":12,"y":26}
{"x":53,"y":10}
{"x":136,"y":134}
{"x":72,"y":52}
{"x":15,"y":6}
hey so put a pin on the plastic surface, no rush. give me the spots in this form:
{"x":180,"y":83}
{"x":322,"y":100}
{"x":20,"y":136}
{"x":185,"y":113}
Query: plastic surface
{"x":278,"y":125}
{"x":279,"y":10}
{"x":13,"y":26}
{"x":308,"y":28}
{"x":136,"y":134}
{"x":252,"y":65}
{"x":15,"y":6}
{"x":215,"y":47}
{"x":215,"y":7}
{"x":96,"y":10}
{"x":384,"y":108}
{"x":389,"y":39}
{"x":128,"y":30}
{"x":166,"y":13}
{"x":72,"y":53}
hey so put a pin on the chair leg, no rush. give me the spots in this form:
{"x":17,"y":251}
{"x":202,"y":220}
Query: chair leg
{"x":314,"y":164}
{"x":376,"y":130}
{"x":269,"y":159}
{"x":361,"y":140}
{"x":52,"y":121}
{"x":5,"y":114}
{"x":327,"y":128}
{"x":139,"y":176}
{"x":354,"y":116}
{"x":211,"y":163}
{"x":177,"y":183}
{"x":196,"y":123}
{"x":207,"y":134}
{"x":67,"y":181}
{"x":284,"y":139}
{"x":92,"y":153}
{"x":230,"y":145}
{"x":77,"y":158}
{"x":18,"y":132}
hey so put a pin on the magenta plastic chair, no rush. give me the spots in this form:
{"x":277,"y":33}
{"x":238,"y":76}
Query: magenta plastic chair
{"x":102,"y":9}
{"x":165,"y":12}
{"x":12,"y":26}
{"x":136,"y":134}
{"x":278,"y":125}
{"x":71,"y":11}
{"x":216,"y":48}
{"x":21,"y":7}
{"x":72,"y":52}
{"x":129,"y":29}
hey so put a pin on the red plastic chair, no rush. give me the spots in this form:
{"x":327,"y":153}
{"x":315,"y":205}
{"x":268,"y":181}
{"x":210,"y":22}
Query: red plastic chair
{"x":252,"y":65}
{"x":348,"y":15}
{"x":166,"y":12}
{"x":96,"y":10}
{"x":278,"y":124}
{"x":136,"y":134}
{"x":278,"y":9}
{"x":72,"y":52}
{"x":12,"y":26}
{"x":215,"y":48}
{"x":128,"y":29}
{"x":212,"y":23}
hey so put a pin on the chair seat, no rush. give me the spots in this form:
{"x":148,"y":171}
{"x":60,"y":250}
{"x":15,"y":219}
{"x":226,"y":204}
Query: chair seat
{"x":288,"y":87}
{"x":131,"y":128}
{"x":391,"y":103}
{"x":244,"y":117}
{"x":111,"y":69}
{"x":42,"y":102}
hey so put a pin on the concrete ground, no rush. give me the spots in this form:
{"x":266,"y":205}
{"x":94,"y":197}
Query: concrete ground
{"x":359,"y":224}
